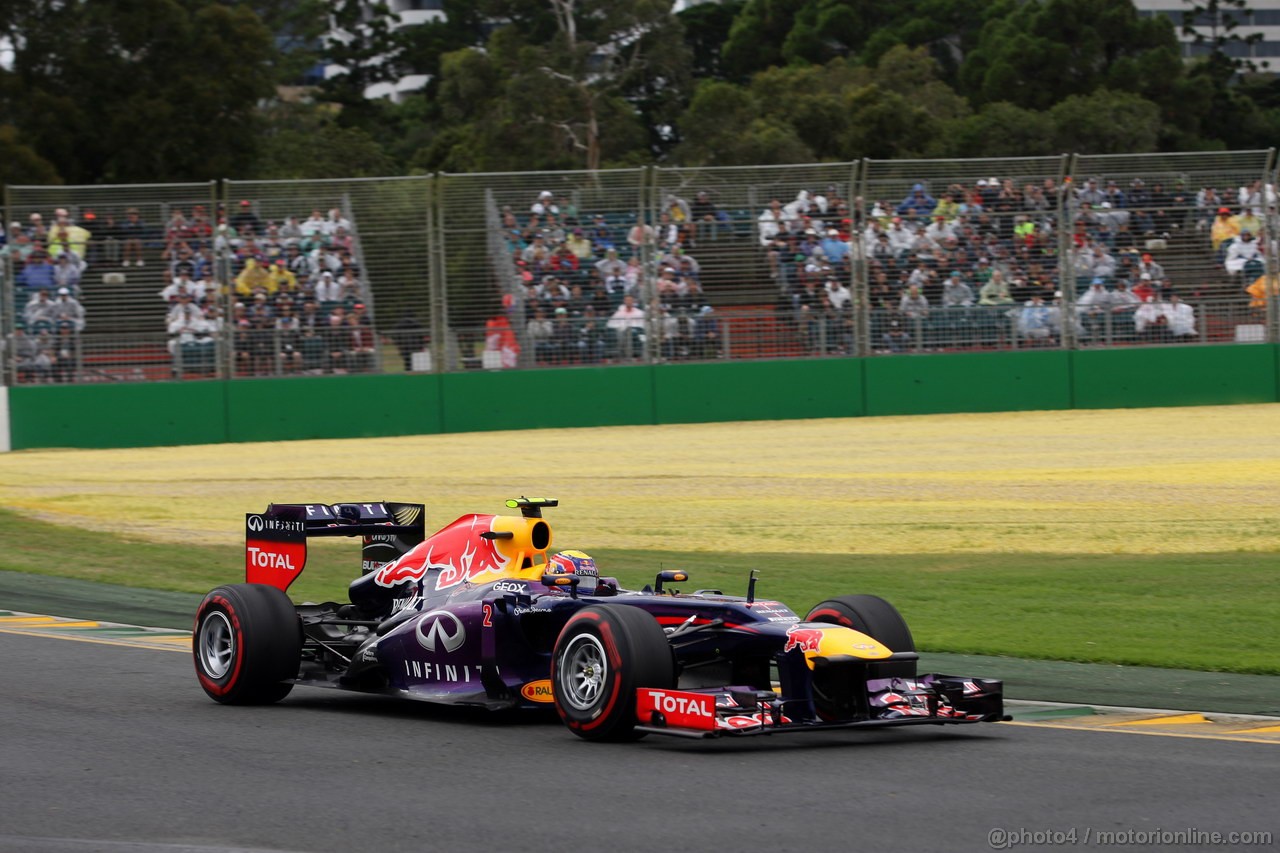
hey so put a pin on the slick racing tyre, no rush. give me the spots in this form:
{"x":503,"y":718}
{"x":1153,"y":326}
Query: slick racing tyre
{"x":601,"y":657}
{"x":247,"y":641}
{"x":876,"y":618}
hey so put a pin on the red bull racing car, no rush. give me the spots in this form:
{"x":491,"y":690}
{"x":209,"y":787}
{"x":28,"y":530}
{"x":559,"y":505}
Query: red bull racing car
{"x":481,"y":613}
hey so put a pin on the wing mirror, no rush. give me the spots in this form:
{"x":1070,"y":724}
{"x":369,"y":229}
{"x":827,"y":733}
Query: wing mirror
{"x":558,"y":580}
{"x":668,"y":577}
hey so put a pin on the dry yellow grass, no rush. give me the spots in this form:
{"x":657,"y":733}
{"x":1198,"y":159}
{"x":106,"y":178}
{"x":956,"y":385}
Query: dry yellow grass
{"x":1121,"y":481}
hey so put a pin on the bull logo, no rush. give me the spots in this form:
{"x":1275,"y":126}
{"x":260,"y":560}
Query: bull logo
{"x":458,"y":552}
{"x":804,"y":639}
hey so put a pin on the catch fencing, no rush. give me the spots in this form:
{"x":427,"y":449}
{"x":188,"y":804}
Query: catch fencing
{"x":450,"y":273}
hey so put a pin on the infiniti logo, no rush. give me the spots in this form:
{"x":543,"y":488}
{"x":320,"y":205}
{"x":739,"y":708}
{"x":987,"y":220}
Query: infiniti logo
{"x":255,"y":523}
{"x":442,"y":626}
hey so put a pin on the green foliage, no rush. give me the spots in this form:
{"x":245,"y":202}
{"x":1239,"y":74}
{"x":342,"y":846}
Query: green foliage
{"x":999,"y":130}
{"x":180,"y":89}
{"x":157,"y":90}
{"x":20,"y":164}
{"x":1106,"y":122}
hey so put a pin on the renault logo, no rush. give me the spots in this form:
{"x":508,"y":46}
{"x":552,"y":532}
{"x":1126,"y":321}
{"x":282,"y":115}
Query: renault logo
{"x":441,"y":626}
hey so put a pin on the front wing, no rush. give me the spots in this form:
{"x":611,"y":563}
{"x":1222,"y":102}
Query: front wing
{"x":738,"y":711}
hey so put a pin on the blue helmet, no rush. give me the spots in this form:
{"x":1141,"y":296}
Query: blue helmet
{"x":576,"y":563}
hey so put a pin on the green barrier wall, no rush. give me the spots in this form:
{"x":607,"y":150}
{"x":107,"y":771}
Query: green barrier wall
{"x":569,"y":397}
{"x":140,"y":415}
{"x":1173,"y":376}
{"x":747,"y":391}
{"x":123,"y":415}
{"x":969,"y":382}
{"x":332,"y":407}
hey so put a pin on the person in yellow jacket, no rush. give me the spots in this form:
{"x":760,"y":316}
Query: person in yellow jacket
{"x":66,"y":236}
{"x":282,"y":279}
{"x":1225,"y":227}
{"x":1260,"y":290}
{"x":254,"y":277}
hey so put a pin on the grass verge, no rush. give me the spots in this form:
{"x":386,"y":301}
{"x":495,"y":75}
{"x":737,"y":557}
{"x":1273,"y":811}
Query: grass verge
{"x":1190,"y":611}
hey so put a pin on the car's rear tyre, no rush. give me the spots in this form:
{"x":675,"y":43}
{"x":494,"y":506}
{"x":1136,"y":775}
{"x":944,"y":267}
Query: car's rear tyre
{"x":247,"y":641}
{"x":876,"y":618}
{"x":603,"y":655}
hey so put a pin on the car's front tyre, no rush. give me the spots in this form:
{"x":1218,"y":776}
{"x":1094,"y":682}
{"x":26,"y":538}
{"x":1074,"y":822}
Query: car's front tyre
{"x":602,"y":656}
{"x":247,"y":641}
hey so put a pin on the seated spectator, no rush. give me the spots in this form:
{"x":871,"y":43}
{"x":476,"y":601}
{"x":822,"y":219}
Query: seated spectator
{"x":580,"y":245}
{"x":337,"y":339}
{"x":38,"y":274}
{"x":1243,"y":256}
{"x":191,"y":340}
{"x":839,"y":295}
{"x":918,"y":200}
{"x":1225,"y":228}
{"x":132,"y":231}
{"x":183,"y":285}
{"x":770,"y":222}
{"x":1034,"y":321}
{"x":1182,"y":318}
{"x":253,"y":279}
{"x":538,"y":332}
{"x":1150,"y":322}
{"x":38,"y":315}
{"x":362,"y":352}
{"x":32,"y":356}
{"x":913,"y":305}
{"x":67,"y":237}
{"x":1259,"y":291}
{"x":611,"y":265}
{"x":955,"y":293}
{"x":995,"y":291}
{"x":591,"y":343}
{"x":328,"y":291}
{"x":68,"y":311}
{"x":628,"y":324}
{"x":706,"y":334}
{"x":895,"y":338}
{"x":288,"y":329}
{"x":63,"y":353}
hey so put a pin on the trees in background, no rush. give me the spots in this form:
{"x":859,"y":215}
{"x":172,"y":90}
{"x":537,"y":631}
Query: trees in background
{"x":191,"y":89}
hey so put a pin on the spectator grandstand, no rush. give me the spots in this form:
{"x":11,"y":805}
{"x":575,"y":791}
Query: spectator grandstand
{"x":458,"y":272}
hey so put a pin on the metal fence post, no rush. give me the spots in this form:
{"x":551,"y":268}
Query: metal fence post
{"x":1066,"y":244}
{"x":860,"y":280}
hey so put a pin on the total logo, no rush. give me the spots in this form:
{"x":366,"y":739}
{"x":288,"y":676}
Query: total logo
{"x":687,"y":704}
{"x":440,"y":627}
{"x":264,"y":559}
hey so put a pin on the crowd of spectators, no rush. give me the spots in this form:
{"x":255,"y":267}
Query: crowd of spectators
{"x":583,"y":294}
{"x":49,"y":260}
{"x":978,"y":263}
{"x":298,"y":303}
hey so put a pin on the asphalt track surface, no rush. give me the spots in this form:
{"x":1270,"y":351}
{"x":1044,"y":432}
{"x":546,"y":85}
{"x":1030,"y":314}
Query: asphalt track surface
{"x":117,"y":749}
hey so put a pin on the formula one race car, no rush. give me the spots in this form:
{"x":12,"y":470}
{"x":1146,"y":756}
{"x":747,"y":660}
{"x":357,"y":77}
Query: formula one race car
{"x":480,"y":614}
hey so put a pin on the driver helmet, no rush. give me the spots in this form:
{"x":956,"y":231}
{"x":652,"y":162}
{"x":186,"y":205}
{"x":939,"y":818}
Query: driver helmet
{"x":576,"y":563}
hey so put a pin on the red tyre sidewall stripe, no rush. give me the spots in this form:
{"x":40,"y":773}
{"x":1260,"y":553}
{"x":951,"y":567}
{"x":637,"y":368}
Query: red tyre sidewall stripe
{"x":221,"y":689}
{"x":615,"y":660}
{"x":835,"y":616}
{"x":580,"y":616}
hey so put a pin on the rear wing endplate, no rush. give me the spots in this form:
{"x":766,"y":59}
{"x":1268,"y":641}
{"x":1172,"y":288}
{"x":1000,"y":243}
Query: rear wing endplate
{"x":276,"y":540}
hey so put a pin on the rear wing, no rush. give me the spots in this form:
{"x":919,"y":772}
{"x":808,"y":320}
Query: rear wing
{"x":275,"y":541}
